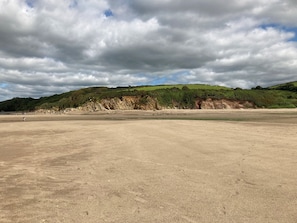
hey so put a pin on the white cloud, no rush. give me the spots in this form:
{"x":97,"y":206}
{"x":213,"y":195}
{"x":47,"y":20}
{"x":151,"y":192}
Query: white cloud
{"x":54,"y":46}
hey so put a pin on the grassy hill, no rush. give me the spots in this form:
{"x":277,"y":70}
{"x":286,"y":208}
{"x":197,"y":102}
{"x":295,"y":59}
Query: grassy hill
{"x":290,"y":86}
{"x":180,"y":86}
{"x":180,"y":96}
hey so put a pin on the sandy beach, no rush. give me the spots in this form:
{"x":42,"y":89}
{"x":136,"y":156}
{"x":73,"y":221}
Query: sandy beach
{"x":149,"y":166}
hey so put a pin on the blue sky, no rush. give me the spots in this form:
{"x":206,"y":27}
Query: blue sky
{"x":282,"y":28}
{"x":173,"y":78}
{"x":291,"y":30}
{"x":108,"y":13}
{"x":30,"y":3}
{"x":3,"y":85}
{"x":50,"y":47}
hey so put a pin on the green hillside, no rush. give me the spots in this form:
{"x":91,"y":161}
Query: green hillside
{"x":180,"y":86}
{"x":290,"y":86}
{"x":180,"y":96}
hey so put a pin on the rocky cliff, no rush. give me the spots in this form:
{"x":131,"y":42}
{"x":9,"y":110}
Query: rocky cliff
{"x":123,"y":103}
{"x":222,"y":104}
{"x":149,"y":103}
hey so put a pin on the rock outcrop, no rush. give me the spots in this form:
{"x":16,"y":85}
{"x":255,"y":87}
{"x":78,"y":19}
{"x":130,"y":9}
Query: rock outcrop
{"x":222,"y":104}
{"x":149,"y":103}
{"x":123,"y":103}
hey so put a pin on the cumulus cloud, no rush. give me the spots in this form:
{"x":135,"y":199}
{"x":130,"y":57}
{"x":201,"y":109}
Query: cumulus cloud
{"x":53,"y":46}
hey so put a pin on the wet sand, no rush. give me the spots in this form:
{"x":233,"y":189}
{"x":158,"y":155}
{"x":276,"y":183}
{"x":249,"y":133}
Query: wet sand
{"x":149,"y":166}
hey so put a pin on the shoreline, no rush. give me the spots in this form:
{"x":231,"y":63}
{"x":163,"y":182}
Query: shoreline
{"x":259,"y":115}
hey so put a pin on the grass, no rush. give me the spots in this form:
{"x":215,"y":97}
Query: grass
{"x":180,"y":86}
{"x":278,"y":86}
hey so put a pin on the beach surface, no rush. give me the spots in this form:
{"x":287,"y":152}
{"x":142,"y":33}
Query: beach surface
{"x":187,"y":166}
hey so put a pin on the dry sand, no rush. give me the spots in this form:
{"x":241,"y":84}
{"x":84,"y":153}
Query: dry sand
{"x":162,"y":166}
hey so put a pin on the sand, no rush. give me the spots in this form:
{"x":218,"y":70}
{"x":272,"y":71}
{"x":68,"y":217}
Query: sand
{"x":157,"y":166}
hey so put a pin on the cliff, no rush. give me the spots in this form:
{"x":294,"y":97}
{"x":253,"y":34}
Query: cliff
{"x":149,"y":103}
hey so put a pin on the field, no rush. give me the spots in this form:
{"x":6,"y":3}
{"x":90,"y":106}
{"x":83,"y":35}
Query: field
{"x":180,"y":86}
{"x":149,"y":166}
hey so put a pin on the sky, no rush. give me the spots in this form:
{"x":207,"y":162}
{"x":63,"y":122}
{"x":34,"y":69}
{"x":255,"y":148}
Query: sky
{"x":54,"y":46}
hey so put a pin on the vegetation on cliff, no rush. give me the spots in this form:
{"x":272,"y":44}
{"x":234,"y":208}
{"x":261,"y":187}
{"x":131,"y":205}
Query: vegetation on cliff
{"x":163,"y":96}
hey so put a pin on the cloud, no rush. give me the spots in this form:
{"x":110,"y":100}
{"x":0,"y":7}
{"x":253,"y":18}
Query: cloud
{"x":54,"y":46}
